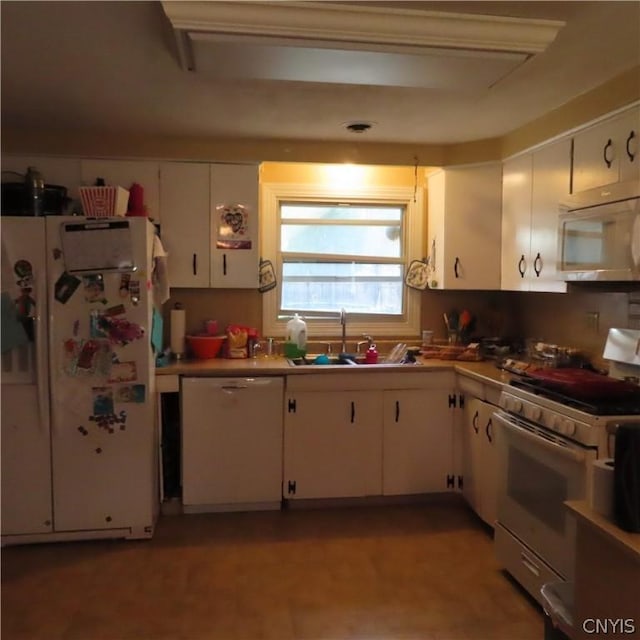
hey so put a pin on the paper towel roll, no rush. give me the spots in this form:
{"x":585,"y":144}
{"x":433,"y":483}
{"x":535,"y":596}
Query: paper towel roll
{"x":178,"y":324}
{"x":602,"y":487}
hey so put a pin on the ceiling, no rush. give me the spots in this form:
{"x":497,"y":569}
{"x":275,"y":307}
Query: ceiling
{"x":112,"y":68}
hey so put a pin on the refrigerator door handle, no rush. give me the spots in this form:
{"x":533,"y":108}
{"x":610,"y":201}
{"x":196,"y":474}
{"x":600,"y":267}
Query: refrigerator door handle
{"x":42,"y":377}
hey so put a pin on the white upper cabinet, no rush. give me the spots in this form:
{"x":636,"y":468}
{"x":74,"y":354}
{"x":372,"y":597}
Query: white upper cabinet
{"x":533,"y":186}
{"x":464,"y":227}
{"x":235,"y":254}
{"x":185,"y":228}
{"x":210,"y":224}
{"x":124,"y":173}
{"x":607,"y":152}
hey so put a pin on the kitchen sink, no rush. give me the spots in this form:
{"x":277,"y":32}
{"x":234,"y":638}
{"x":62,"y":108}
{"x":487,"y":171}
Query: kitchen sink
{"x":318,"y":360}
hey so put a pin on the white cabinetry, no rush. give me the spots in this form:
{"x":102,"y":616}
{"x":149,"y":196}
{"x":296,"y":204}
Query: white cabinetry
{"x":479,"y":459}
{"x":332,"y":444}
{"x":418,"y":438}
{"x":478,"y":454}
{"x":231,"y":443}
{"x":356,"y":435}
{"x":464,"y":227}
{"x":185,"y":229}
{"x":607,"y":152}
{"x":533,"y":186}
{"x":233,"y":185}
{"x":124,"y":173}
{"x":193,"y":198}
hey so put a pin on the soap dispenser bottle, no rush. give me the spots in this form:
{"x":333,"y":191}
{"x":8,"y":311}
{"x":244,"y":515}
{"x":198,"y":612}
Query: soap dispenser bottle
{"x":371,"y":356}
{"x":296,"y":340}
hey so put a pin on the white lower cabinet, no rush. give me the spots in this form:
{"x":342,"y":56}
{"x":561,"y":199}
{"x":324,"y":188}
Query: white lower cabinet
{"x":417,"y":445}
{"x":356,"y":435}
{"x":332,"y":444}
{"x":479,"y":460}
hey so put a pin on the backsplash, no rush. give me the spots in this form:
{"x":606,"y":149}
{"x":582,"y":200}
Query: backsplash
{"x":579,"y":319}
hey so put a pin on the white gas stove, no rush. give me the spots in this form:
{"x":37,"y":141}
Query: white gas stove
{"x":580,"y":405}
{"x":552,"y":425}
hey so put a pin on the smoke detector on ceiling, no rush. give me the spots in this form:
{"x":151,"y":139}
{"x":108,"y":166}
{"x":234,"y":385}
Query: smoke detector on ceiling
{"x":358,"y":127}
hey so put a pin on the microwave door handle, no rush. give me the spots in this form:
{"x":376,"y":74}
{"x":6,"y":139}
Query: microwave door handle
{"x":577,"y":456}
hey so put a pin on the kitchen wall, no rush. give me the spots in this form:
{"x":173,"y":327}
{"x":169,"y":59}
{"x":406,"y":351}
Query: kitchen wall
{"x":564,"y":319}
{"x":554,"y":317}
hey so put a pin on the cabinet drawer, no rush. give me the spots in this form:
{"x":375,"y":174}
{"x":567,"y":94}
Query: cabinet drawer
{"x":522,"y":564}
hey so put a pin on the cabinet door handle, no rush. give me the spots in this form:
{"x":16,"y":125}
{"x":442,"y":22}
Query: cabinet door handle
{"x":353,"y":412}
{"x":522,"y":266}
{"x":632,"y":156}
{"x":397,"y":410}
{"x":537,"y":265}
{"x":474,"y":422}
{"x":488,"y":429}
{"x":224,"y":264}
{"x":194,"y":264}
{"x":455,"y":267}
{"x":604,"y":153}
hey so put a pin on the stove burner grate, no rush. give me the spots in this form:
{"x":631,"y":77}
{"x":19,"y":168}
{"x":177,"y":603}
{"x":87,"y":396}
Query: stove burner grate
{"x":599,"y":407}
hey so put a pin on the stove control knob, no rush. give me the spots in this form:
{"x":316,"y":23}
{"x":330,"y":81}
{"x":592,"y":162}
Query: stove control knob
{"x":532,"y":412}
{"x":554,"y":423}
{"x":568,"y":427}
{"x":517,"y":405}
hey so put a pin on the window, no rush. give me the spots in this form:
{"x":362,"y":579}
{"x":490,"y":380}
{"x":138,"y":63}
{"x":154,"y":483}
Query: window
{"x":346,"y":250}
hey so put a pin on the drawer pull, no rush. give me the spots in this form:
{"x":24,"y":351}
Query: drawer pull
{"x":530,"y":564}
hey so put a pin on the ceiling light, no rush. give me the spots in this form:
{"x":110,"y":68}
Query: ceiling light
{"x":351,"y":44}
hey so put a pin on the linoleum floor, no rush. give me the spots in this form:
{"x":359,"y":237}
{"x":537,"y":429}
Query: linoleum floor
{"x":419,"y":572}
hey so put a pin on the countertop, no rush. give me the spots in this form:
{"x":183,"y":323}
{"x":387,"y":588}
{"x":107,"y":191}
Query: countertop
{"x":484,"y":371}
{"x":628,"y":542}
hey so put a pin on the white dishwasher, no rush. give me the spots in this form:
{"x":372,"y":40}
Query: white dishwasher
{"x":232,"y":431}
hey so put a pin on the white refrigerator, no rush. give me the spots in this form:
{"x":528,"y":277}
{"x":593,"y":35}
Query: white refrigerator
{"x":79,"y":442}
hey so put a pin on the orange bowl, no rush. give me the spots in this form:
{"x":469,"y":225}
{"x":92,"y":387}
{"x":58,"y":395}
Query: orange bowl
{"x":205,"y":347}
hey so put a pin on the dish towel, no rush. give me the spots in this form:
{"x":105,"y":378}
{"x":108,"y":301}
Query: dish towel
{"x":160,"y":276}
{"x":12,"y":332}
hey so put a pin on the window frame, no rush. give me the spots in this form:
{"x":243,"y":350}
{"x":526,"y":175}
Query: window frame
{"x":410,"y":198}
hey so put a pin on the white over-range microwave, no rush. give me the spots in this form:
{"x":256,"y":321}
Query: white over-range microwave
{"x":599,"y":234}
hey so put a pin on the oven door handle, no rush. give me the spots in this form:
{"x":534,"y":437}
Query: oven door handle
{"x":577,"y":456}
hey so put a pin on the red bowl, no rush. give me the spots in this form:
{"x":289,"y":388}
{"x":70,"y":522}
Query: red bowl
{"x":205,"y":347}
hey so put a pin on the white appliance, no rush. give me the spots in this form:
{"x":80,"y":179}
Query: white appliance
{"x":599,"y":234}
{"x":79,"y":442}
{"x":548,"y":435}
{"x":232,"y":440}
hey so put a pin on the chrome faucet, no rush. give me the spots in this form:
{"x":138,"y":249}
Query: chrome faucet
{"x":343,"y":322}
{"x":368,"y":340}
